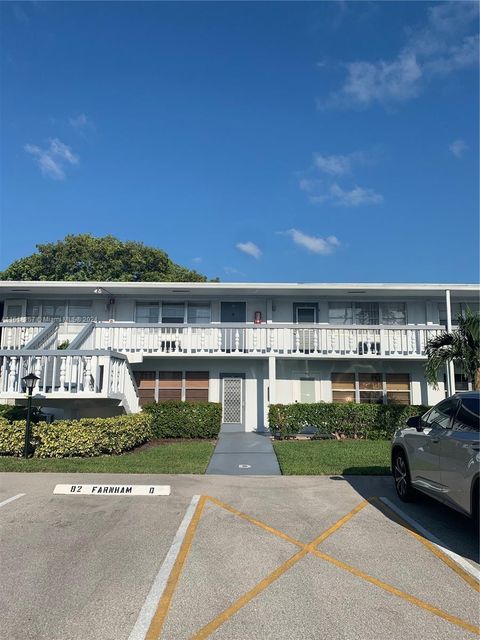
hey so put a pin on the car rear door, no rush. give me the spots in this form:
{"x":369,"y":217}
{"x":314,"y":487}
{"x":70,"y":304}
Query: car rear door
{"x":460,"y":453}
{"x":424,"y":447}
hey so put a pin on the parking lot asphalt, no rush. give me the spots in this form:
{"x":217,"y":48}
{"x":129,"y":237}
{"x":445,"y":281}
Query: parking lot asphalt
{"x":230,"y":558}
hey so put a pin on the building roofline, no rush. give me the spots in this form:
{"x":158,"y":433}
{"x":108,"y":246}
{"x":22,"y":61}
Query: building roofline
{"x":179,"y":287}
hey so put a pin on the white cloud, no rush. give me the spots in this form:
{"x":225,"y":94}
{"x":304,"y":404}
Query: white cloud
{"x":80,"y":122}
{"x":320,"y":192}
{"x":458,"y":147}
{"x":53,"y":159}
{"x":333,"y":165}
{"x":354,"y":197}
{"x":197,"y":260}
{"x":444,"y":44}
{"x":323,"y":246}
{"x":249,"y":248}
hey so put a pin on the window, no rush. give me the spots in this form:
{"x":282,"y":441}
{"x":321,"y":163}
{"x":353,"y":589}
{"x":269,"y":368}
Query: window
{"x":398,"y":388}
{"x":340,"y":313}
{"x":365,"y":313}
{"x":468,"y":416}
{"x":457,"y":308}
{"x":13,"y":312}
{"x":196,"y":386}
{"x":371,"y":388}
{"x":393,"y":313}
{"x":173,"y":313}
{"x":46,"y":309}
{"x":461,"y":383}
{"x":80,"y":311}
{"x":343,"y":387}
{"x":199,"y":313}
{"x":146,"y":312}
{"x":170,"y":385}
{"x":368,"y":313}
{"x":146,"y":386}
{"x":305,"y":315}
{"x":441,"y":415}
{"x":163,"y":386}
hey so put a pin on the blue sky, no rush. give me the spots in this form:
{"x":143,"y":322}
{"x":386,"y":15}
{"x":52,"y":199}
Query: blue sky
{"x":324,"y":142}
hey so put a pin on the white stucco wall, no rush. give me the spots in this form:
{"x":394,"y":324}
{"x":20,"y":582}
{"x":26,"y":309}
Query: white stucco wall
{"x":254,"y":371}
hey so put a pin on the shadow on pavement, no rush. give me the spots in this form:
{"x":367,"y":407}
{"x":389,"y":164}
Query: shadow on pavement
{"x":454,"y":530}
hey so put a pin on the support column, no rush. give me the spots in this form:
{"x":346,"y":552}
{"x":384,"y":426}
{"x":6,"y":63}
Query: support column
{"x":450,"y":365}
{"x":272,"y":378}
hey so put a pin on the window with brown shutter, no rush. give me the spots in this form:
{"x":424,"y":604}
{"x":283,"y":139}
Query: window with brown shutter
{"x":169,"y":385}
{"x":398,"y":388}
{"x":343,"y":387}
{"x":196,"y":386}
{"x":146,"y":386}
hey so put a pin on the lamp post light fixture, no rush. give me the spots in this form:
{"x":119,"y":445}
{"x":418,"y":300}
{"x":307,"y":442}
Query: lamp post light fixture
{"x":30,"y":381}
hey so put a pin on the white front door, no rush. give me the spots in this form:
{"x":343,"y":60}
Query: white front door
{"x":307,"y":389}
{"x":232,"y":400}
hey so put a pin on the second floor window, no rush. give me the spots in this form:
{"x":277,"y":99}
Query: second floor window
{"x":199,"y":313}
{"x":173,"y":313}
{"x":367,"y":313}
{"x":60,"y":310}
{"x":146,"y":312}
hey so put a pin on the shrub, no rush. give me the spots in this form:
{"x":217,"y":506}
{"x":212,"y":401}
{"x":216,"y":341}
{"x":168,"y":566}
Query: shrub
{"x":185,"y":419}
{"x":372,"y":421}
{"x":86,"y":437}
{"x":12,"y":412}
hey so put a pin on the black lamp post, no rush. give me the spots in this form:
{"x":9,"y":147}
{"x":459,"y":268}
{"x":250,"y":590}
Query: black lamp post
{"x":30,"y":382}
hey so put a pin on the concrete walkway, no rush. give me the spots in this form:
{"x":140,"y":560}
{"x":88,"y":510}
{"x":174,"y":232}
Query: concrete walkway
{"x":244,"y":454}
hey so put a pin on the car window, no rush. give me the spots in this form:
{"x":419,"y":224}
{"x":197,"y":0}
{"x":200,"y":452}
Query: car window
{"x":468,"y":416}
{"x":441,"y":415}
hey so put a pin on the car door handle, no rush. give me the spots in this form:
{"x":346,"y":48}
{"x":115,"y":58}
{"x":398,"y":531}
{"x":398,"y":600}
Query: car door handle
{"x":435,"y":440}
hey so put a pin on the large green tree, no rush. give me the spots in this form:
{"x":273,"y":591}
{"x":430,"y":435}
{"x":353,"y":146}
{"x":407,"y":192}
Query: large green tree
{"x":462,"y":346}
{"x":84,"y":257}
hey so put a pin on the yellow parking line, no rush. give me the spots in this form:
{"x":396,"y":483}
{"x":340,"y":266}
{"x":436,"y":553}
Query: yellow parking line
{"x":430,"y":546}
{"x":266,"y":582}
{"x":245,"y":599}
{"x":323,"y":536}
{"x":397,"y":592}
{"x":158,"y":619}
{"x":258,"y":523}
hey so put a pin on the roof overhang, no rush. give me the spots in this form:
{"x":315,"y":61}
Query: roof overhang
{"x":11,"y":289}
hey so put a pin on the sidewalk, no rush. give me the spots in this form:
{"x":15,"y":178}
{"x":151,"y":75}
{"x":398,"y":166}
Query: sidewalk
{"x":244,"y":454}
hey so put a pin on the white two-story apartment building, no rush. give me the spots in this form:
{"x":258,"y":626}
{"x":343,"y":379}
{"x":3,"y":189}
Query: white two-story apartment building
{"x":102,"y":348}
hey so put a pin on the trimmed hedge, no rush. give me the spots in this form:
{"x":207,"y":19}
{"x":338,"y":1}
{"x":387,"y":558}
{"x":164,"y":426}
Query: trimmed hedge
{"x":185,"y":419}
{"x":370,"y":421}
{"x":80,"y":438}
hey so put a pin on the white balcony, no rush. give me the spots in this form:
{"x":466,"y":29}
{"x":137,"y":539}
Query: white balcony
{"x":257,"y":341}
{"x":66,"y":375}
{"x":15,"y":335}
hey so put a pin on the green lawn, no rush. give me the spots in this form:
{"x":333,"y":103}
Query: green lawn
{"x":175,"y":457}
{"x":333,"y":457}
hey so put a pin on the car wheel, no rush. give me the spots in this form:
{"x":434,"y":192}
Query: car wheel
{"x":401,"y":475}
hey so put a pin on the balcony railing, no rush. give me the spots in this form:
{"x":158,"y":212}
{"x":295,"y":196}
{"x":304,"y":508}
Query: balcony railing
{"x":69,"y":373}
{"x":282,"y":340}
{"x":15,"y":335}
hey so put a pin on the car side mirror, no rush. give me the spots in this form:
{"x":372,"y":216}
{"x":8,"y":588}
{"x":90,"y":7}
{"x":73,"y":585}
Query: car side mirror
{"x":415,"y":422}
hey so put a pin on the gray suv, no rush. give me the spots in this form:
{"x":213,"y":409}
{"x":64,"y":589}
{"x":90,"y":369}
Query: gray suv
{"x":439,"y":454}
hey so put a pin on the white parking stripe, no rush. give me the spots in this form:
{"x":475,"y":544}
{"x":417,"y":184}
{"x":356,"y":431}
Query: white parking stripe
{"x":19,"y":495}
{"x":460,"y":560}
{"x":147,"y":612}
